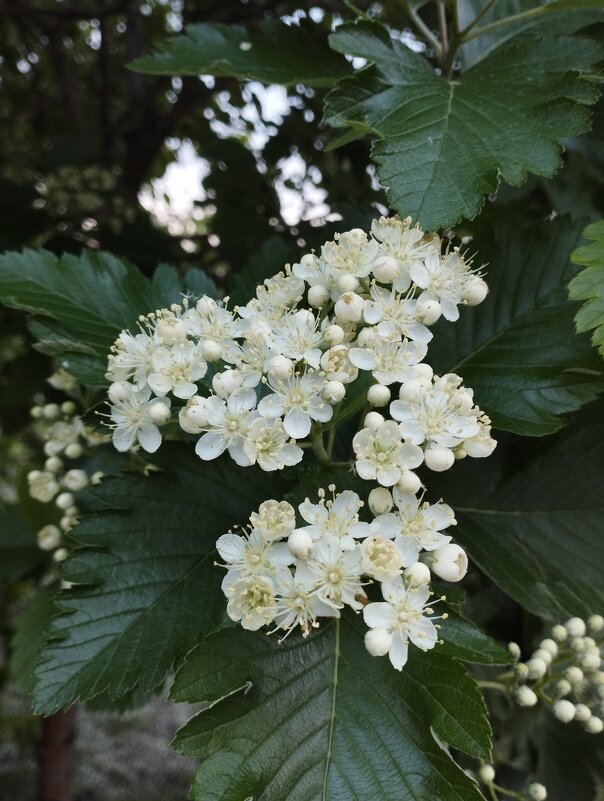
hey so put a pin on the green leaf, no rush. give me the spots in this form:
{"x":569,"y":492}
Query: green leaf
{"x":440,"y":146}
{"x":272,"y":52}
{"x":518,"y":350}
{"x":147,"y":589}
{"x":320,"y":719}
{"x":588,"y":285}
{"x":19,"y":552}
{"x":465,"y":641}
{"x":31,"y":633}
{"x":539,"y":534}
{"x":85,"y":301}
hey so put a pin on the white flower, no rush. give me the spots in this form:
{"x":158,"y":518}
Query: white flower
{"x":253,"y":360}
{"x":75,"y":480}
{"x":337,"y":365}
{"x":351,"y":254}
{"x":450,"y":562}
{"x":131,"y":357}
{"x":389,"y":361}
{"x":382,"y":560}
{"x":298,"y":336}
{"x":333,"y":573}
{"x":49,"y":537}
{"x":297,"y":606}
{"x":192,"y":417}
{"x":443,"y":415}
{"x":382,"y":456}
{"x":416,"y":526}
{"x":210,"y":320}
{"x":228,"y":423}
{"x":176,"y":369}
{"x":337,"y":519}
{"x":267,"y":443}
{"x":406,"y":245}
{"x":131,"y":421}
{"x":401,"y":614}
{"x":252,"y":601}
{"x":395,"y":315}
{"x":299,"y":400}
{"x":443,"y":278}
{"x":316,"y":273}
{"x":42,"y":485}
{"x":251,"y":555}
{"x":275,"y":519}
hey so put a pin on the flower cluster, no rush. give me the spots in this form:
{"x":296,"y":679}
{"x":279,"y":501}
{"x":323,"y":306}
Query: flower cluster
{"x":63,"y":475}
{"x":287,"y":576}
{"x":565,"y":672}
{"x":261,"y":382}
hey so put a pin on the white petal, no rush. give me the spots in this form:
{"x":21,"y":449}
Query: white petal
{"x":159,"y":383}
{"x":230,"y":547}
{"x":398,"y":653}
{"x":210,"y":446}
{"x":362,"y":358}
{"x":297,"y":424}
{"x":123,"y":438}
{"x":149,"y":438}
{"x":378,"y":614}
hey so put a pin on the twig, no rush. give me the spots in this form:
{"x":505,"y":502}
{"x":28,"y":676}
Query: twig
{"x":481,"y":15}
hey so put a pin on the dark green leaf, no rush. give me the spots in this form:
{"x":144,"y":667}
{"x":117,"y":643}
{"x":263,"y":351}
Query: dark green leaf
{"x":320,"y":719}
{"x":150,"y":589}
{"x":275,"y":253}
{"x":518,"y":350}
{"x":439,"y":145}
{"x":31,"y":633}
{"x":19,"y":552}
{"x":588,"y":285}
{"x":465,"y":641}
{"x":273,"y":52}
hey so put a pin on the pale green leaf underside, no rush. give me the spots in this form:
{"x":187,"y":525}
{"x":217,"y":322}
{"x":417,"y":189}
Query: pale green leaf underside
{"x":273,"y":52}
{"x":321,"y":720}
{"x":443,"y":144}
{"x":519,"y":350}
{"x":85,"y":301}
{"x":150,"y":589}
{"x":588,"y":285}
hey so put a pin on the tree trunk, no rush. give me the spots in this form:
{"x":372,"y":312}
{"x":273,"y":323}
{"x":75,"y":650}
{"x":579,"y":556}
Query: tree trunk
{"x":56,"y":757}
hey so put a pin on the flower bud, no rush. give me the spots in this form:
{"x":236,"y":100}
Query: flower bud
{"x":373,"y":420}
{"x":349,"y":307}
{"x":582,"y":712}
{"x":475,"y":291}
{"x":386,"y":269}
{"x":334,"y":391}
{"x":211,"y":350}
{"x":414,"y":389}
{"x":563,"y":687}
{"x":438,"y":458}
{"x":51,"y":411}
{"x":366,"y":337}
{"x":486,"y":774}
{"x":590,"y":662}
{"x":318,"y":296}
{"x":409,"y":483}
{"x":514,"y":650}
{"x":54,"y":464}
{"x":549,"y":645}
{"x":280,"y":367}
{"x":118,"y":391}
{"x":300,"y":543}
{"x":576,"y":627}
{"x":36,"y":412}
{"x":525,"y":696}
{"x":537,"y":792}
{"x":521,"y":671}
{"x":64,"y":500}
{"x":74,"y":451}
{"x":596,"y":622}
{"x":49,"y":537}
{"x":594,"y":725}
{"x":97,"y":477}
{"x":559,"y":633}
{"x":159,"y":412}
{"x":380,"y":501}
{"x":172,"y":330}
{"x":378,"y":395}
{"x":564,"y":710}
{"x":417,"y":574}
{"x":348,"y":283}
{"x":205,"y":305}
{"x":75,"y":480}
{"x":449,"y":562}
{"x":225,"y":383}
{"x":544,"y":655}
{"x":378,"y":641}
{"x":333,"y":334}
{"x":574,"y":674}
{"x":258,"y":329}
{"x":428,"y":311}
{"x":60,"y":555}
{"x":537,"y":668}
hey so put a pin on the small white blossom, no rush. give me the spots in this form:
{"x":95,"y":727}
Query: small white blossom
{"x":228,"y":423}
{"x":299,"y":400}
{"x":334,"y":574}
{"x":275,"y":519}
{"x":389,"y":361}
{"x":381,"y":456}
{"x":252,"y":601}
{"x":131,"y":421}
{"x":337,"y":519}
{"x":395,"y":315}
{"x":267,"y":443}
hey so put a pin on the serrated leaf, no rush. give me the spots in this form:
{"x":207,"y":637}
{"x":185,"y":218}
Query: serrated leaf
{"x":539,"y":534}
{"x":588,"y":285}
{"x":149,"y":589}
{"x":320,"y":719}
{"x":463,"y":640}
{"x":440,"y":145}
{"x":272,"y":52}
{"x":518,"y":350}
{"x":85,"y":301}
